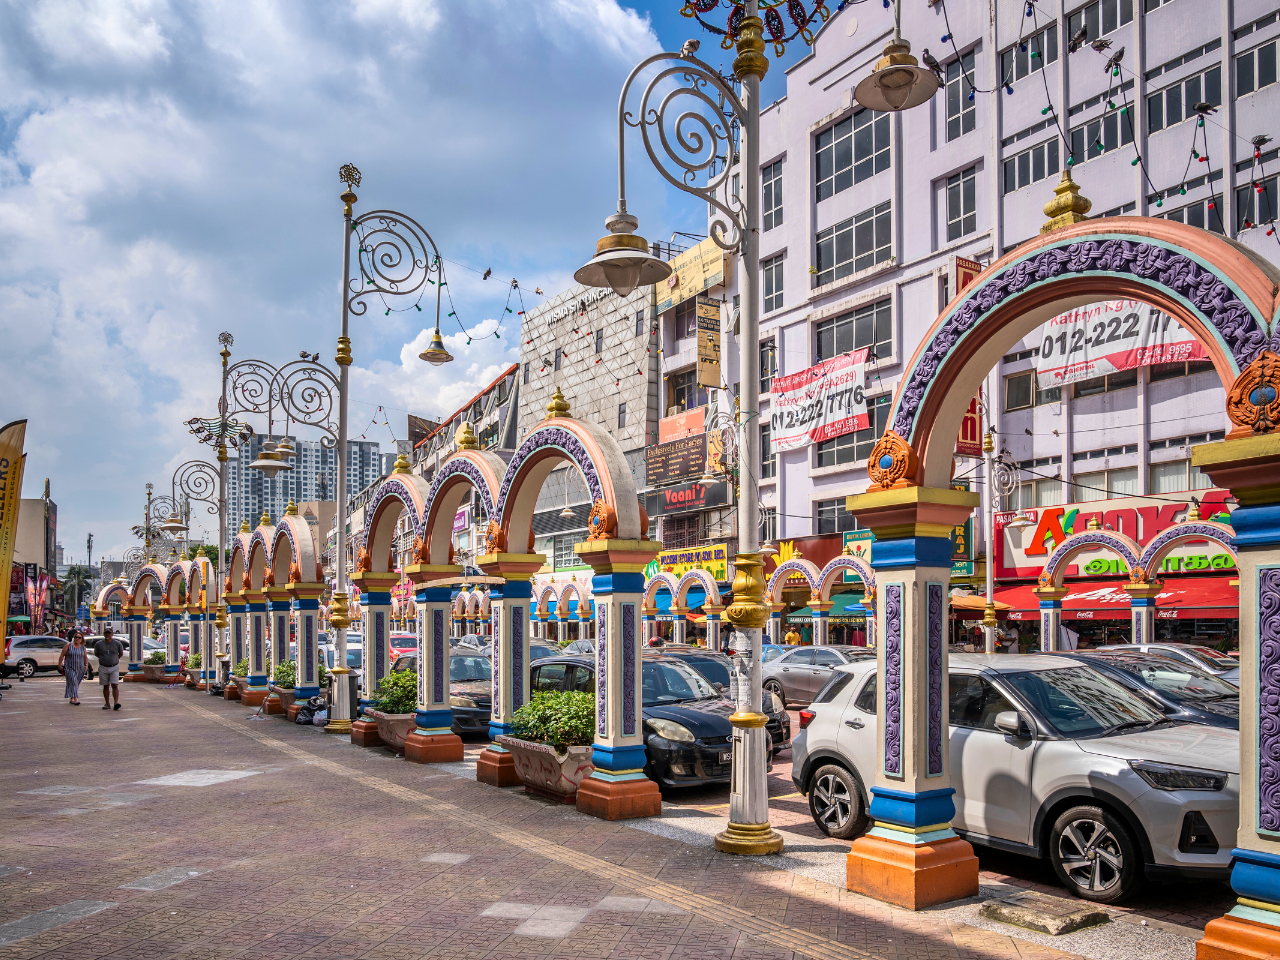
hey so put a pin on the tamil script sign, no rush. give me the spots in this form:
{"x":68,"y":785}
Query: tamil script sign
{"x":1109,"y":336}
{"x":682,"y":459}
{"x":824,"y":401}
{"x":713,"y":559}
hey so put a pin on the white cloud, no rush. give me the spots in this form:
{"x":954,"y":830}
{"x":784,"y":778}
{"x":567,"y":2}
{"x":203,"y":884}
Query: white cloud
{"x":101,"y":31}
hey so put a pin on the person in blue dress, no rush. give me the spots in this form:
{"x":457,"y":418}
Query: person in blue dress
{"x":74,"y":664}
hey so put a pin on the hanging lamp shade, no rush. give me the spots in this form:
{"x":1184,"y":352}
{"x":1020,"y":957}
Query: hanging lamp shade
{"x":622,"y":261}
{"x":897,"y":82}
{"x":436,"y":354}
{"x":174,"y":524}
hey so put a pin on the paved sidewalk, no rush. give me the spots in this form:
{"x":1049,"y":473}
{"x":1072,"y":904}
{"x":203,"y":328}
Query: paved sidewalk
{"x":179,"y":827}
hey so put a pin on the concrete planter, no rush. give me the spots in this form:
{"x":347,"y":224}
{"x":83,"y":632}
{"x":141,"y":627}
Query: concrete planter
{"x":285,"y":696}
{"x":193,"y":676}
{"x":153,"y":672}
{"x":547,"y":773}
{"x":393,"y":728}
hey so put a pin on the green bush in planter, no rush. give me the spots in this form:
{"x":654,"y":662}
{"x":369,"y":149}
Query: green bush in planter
{"x":193,"y":662}
{"x":242,"y":668}
{"x":397,"y":693}
{"x":286,"y":674}
{"x":563,"y":719}
{"x":155,"y":659}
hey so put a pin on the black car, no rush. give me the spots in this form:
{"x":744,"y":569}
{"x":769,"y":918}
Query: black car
{"x":470,"y":689}
{"x":718,"y":668}
{"x":688,"y":736}
{"x":1178,"y":690}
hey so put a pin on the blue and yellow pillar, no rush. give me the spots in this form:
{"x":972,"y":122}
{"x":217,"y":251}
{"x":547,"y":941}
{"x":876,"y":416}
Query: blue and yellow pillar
{"x":433,"y":739}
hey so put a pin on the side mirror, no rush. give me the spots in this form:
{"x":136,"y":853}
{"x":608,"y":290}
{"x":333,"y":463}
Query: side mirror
{"x":1009,"y":722}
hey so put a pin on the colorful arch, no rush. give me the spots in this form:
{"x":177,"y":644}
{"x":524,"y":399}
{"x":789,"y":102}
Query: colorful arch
{"x":294,"y":557}
{"x":1154,"y":553}
{"x":112,"y":591}
{"x":1055,"y":567}
{"x":139,"y":589}
{"x":401,"y":494}
{"x":1218,"y":290}
{"x":466,"y":470}
{"x":563,"y":610}
{"x":696,"y":578}
{"x":259,"y":555}
{"x":545,"y":595}
{"x":657,"y":582}
{"x":827,"y":576}
{"x":805,"y":568}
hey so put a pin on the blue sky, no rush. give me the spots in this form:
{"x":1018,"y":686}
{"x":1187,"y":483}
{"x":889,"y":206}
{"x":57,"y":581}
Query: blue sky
{"x":168,"y":170}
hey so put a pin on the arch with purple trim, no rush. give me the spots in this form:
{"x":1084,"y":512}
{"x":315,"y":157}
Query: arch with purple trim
{"x":463,"y":472}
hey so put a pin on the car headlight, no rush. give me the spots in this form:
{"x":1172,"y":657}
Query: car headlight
{"x":1167,"y":776}
{"x":776,"y":704}
{"x":465,"y":702}
{"x":671,"y":730}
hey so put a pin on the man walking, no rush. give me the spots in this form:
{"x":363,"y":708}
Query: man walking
{"x":109,"y":650}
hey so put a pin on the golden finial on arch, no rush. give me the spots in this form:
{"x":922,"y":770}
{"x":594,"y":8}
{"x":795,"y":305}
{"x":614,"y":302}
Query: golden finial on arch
{"x":466,"y":438}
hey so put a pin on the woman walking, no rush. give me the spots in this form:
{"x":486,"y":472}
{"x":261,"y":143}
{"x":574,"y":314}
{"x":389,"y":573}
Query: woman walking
{"x":74,"y":663}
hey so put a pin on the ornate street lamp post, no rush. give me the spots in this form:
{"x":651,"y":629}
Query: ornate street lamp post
{"x":1002,"y":480}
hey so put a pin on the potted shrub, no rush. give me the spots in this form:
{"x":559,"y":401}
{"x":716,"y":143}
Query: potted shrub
{"x":394,"y":706}
{"x":551,"y":746}
{"x":153,"y":667}
{"x":193,"y":670}
{"x":283,"y":679}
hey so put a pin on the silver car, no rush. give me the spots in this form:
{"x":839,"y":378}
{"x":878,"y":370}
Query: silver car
{"x":1049,"y":758}
{"x":27,"y":655}
{"x":798,"y":675}
{"x":1221,"y":665}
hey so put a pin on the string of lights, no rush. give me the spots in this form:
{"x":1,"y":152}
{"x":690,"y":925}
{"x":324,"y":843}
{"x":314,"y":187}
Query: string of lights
{"x":802,"y":20}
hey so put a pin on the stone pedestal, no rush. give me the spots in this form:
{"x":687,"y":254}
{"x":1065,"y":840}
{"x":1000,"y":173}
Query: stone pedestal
{"x":364,"y":733}
{"x":1050,"y":616}
{"x":912,"y":875}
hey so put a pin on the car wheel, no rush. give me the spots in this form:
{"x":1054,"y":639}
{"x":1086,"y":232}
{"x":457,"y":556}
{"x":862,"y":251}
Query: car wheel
{"x":835,"y":803}
{"x":773,"y":686}
{"x":26,"y":669}
{"x":1094,"y":855}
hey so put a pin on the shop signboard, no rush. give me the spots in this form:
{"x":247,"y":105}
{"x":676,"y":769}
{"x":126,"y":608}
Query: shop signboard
{"x":961,"y":568}
{"x":690,"y":423}
{"x":1109,"y":336}
{"x":460,"y":520}
{"x":1021,"y":552}
{"x":676,"y":460}
{"x":858,"y":543}
{"x":708,"y":342}
{"x":697,"y":269}
{"x":686,"y":497}
{"x":714,"y":559}
{"x":827,"y":400}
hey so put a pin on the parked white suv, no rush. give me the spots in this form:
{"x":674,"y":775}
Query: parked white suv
{"x":1049,"y":758}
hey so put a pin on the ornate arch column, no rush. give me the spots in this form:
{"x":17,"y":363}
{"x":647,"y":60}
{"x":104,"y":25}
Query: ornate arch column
{"x":305,"y":599}
{"x":649,"y":618}
{"x":375,"y":601}
{"x":773,"y":629}
{"x":509,"y":606}
{"x":196,"y":642}
{"x":618,"y":789}
{"x":433,"y":739}
{"x":680,"y":623}
{"x":237,"y":628}
{"x":1050,"y":615}
{"x":821,"y":624}
{"x":172,"y":614}
{"x":911,"y":857}
{"x":584,"y":617}
{"x":135,"y":619}
{"x":278,"y":607}
{"x":713,"y":612}
{"x":257,"y":648}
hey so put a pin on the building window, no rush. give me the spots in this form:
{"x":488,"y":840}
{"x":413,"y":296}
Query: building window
{"x":1029,"y":55}
{"x":562,"y":550}
{"x":1100,"y":18}
{"x":640,"y":324}
{"x":687,"y":318}
{"x":853,"y":150}
{"x":680,"y":531}
{"x":1205,"y":214}
{"x":870,"y":326}
{"x":856,"y":447}
{"x":526,"y":373}
{"x":768,"y":365}
{"x":1104,"y":484}
{"x":558,"y":355}
{"x":1101,"y":136}
{"x":737,"y":185}
{"x":1175,"y":477}
{"x":768,"y":524}
{"x":1256,"y":203}
{"x":832,"y":516}
{"x":1171,"y":371}
{"x":1030,"y":166}
{"x":960,"y":106}
{"x":1176,"y":103}
{"x":962,"y":204}
{"x":1256,"y":69}
{"x":855,"y":244}
{"x":772,"y":270}
{"x":684,"y":392}
{"x":1107,"y":384}
{"x":771,"y":194}
{"x":768,"y":459}
{"x":1022,"y":390}
{"x":622,"y":415}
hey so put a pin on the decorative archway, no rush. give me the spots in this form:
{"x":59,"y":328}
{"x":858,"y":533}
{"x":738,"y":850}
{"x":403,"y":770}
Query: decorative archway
{"x":659,"y":581}
{"x":255,"y":598}
{"x":1221,"y":292}
{"x":298,"y":586}
{"x":1154,"y":553}
{"x":712,"y":607}
{"x":234,"y":588}
{"x":468,"y":469}
{"x":1052,"y":592}
{"x":141,"y":610}
{"x":827,"y":579}
{"x":809,"y":571}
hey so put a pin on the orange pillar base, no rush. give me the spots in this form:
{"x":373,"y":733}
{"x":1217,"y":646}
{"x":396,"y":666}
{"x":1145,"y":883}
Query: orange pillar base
{"x":273,"y":705}
{"x":912,"y":876}
{"x":1231,"y":938}
{"x":619,"y":799}
{"x":202,"y":685}
{"x":364,"y":733}
{"x":292,"y":713}
{"x":231,"y":692}
{"x":132,"y":678}
{"x":254,"y":698}
{"x":433,"y":748}
{"x":497,"y":769}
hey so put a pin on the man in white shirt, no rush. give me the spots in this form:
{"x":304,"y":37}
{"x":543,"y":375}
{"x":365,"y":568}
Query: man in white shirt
{"x":1068,"y":639}
{"x":1011,"y":636}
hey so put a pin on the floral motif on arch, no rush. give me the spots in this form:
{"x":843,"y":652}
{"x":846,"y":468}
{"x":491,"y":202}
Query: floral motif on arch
{"x":544,"y":438}
{"x":1219,"y":533}
{"x":846,"y":562}
{"x":1101,"y":538}
{"x":459,"y":467}
{"x":784,"y":570}
{"x":700,"y":578}
{"x":656,"y":582}
{"x":393,"y":487}
{"x":1219,"y":306}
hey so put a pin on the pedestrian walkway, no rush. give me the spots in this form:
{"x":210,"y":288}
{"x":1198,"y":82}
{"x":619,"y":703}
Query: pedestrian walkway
{"x":198,"y":833}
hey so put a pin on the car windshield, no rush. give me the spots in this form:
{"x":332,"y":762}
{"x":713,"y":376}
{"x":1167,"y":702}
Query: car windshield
{"x":1176,"y":679}
{"x":773,"y":653}
{"x":1081,"y":702}
{"x":1214,"y":658}
{"x":537,"y":651}
{"x":462,"y":669}
{"x":355,"y":657}
{"x":667,"y":682}
{"x":717,"y":671}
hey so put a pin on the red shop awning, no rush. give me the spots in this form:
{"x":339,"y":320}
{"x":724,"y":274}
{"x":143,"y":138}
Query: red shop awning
{"x":1183,"y":598}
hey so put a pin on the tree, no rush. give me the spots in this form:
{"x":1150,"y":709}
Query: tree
{"x":77,"y":579}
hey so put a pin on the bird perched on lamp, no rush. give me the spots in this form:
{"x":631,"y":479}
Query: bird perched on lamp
{"x":1077,"y":39}
{"x":933,"y":65}
{"x":1204,"y":109}
{"x":690,"y":48}
{"x":1114,"y":60}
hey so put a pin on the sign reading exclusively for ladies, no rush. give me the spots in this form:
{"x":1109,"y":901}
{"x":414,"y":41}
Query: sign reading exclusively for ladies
{"x":1107,"y":337}
{"x":825,"y":401}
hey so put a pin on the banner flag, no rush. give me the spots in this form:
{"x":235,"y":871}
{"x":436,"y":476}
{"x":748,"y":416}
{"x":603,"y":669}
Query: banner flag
{"x":1107,"y":337}
{"x":827,"y":400}
{"x":12,"y":436}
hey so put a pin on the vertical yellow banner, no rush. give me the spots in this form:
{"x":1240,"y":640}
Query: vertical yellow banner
{"x":12,"y":436}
